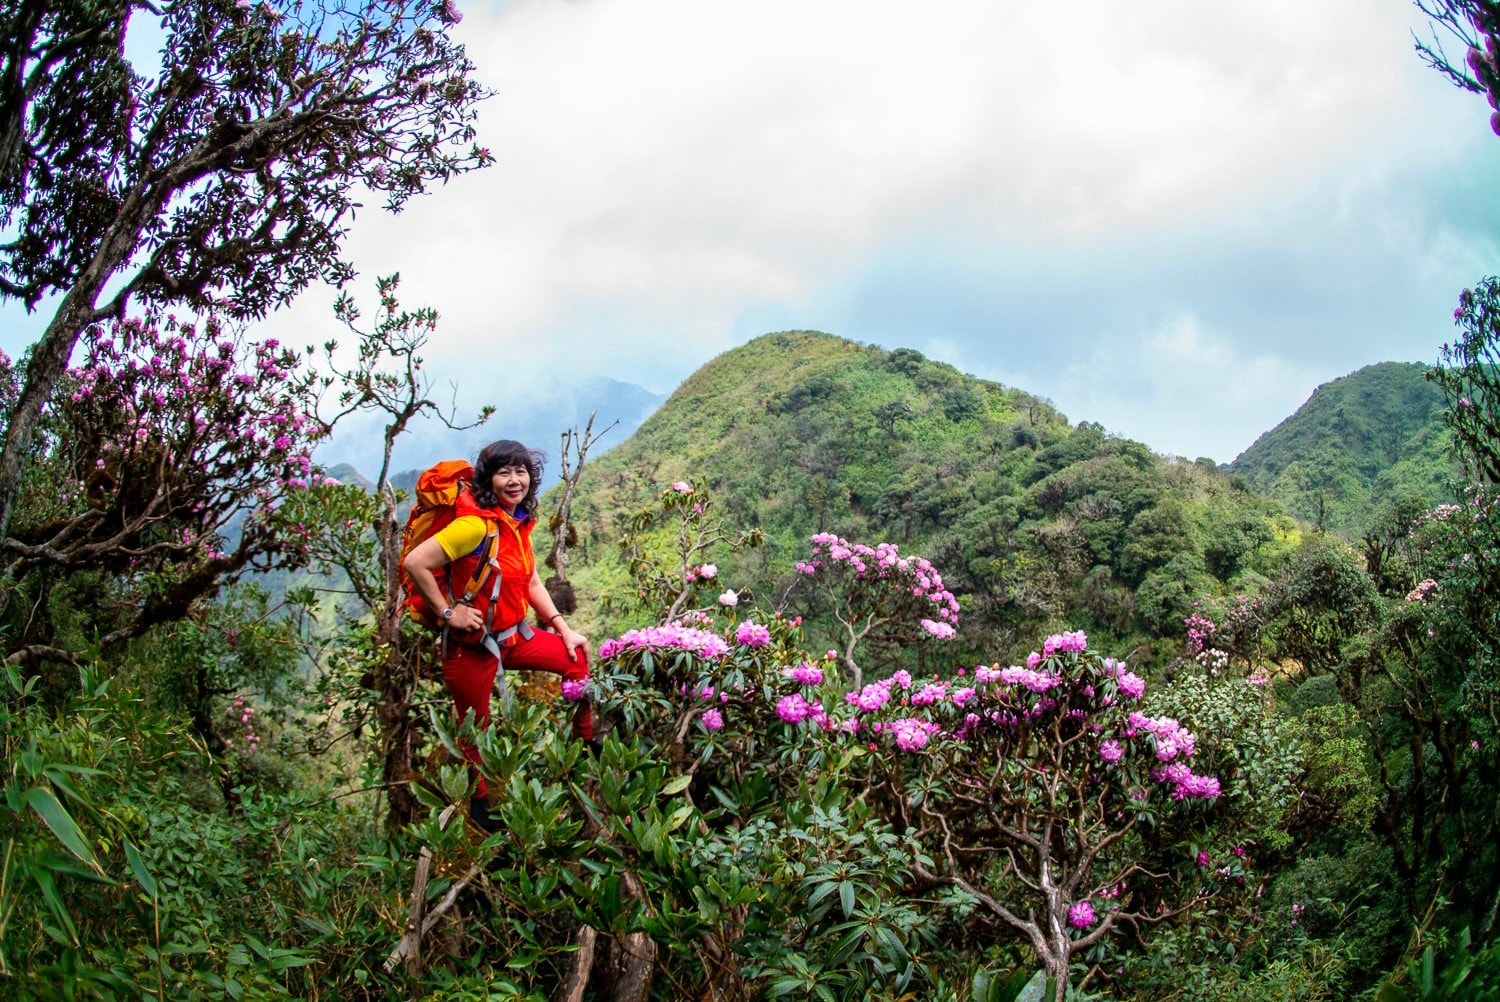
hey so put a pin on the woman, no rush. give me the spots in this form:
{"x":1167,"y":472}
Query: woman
{"x":493,"y":521}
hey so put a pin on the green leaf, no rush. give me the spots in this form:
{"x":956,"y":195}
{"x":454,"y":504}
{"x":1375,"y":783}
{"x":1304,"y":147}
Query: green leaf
{"x":676,"y":785}
{"x":138,"y":867}
{"x":679,"y":817}
{"x":56,"y":817}
{"x":54,"y":901}
{"x":846,"y":898}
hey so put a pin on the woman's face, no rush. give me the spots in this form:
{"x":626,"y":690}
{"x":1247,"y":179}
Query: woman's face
{"x":510,"y":484}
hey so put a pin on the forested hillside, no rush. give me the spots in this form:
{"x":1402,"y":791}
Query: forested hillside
{"x":1359,"y":443}
{"x":1036,"y":522}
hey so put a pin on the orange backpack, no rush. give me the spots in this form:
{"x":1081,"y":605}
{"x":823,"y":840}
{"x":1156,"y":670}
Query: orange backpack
{"x":437,"y":492}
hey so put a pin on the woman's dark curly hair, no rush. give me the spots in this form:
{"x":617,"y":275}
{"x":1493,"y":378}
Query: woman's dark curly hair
{"x":498,"y":455}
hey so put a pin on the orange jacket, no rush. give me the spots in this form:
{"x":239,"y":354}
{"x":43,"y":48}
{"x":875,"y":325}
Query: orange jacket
{"x":514,"y":559}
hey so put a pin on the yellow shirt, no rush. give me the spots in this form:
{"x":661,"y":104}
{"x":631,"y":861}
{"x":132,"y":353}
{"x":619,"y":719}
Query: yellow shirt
{"x":462,"y":536}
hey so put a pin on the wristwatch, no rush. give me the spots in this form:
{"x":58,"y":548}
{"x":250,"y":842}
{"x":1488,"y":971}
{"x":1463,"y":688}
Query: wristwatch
{"x":447,"y":613}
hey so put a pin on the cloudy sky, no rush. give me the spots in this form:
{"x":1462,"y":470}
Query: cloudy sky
{"x":1172,"y":217}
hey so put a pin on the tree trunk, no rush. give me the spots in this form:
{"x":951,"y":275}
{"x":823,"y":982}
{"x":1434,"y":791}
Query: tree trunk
{"x":582,"y":966}
{"x":393,"y":684}
{"x":49,"y":356}
{"x":636,"y":959}
{"x":634,"y":955}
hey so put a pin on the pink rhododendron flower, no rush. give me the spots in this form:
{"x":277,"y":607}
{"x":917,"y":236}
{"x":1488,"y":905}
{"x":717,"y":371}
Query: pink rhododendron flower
{"x":752,"y":635}
{"x":1065,"y":643}
{"x":902,"y":678}
{"x":1128,"y":682}
{"x":700,"y":642}
{"x":805,"y":674}
{"x":729,"y":598}
{"x":1036,"y":681}
{"x":940,"y":630}
{"x":1111,"y":751}
{"x":682,"y":487}
{"x":911,"y":733}
{"x":573,"y":690}
{"x":793,"y":708}
{"x":930,"y":693}
{"x":708,"y":572}
{"x":711,"y":720}
{"x":872,"y":697}
{"x":987,"y":673}
{"x":1081,"y":915}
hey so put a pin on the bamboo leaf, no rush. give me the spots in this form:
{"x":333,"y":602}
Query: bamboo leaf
{"x":138,"y":867}
{"x":55,"y":816}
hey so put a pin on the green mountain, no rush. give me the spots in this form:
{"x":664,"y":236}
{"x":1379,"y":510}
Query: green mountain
{"x":1359,"y":443}
{"x":1034,"y":522}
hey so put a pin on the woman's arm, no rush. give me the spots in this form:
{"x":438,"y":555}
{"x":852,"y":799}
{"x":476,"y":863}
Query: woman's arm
{"x":421,"y":564}
{"x":541,"y":601}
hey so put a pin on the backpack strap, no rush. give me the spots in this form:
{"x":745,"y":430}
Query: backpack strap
{"x":494,"y":642}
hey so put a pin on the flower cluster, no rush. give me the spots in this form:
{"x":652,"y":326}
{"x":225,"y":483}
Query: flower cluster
{"x":911,"y":733}
{"x":752,"y":635}
{"x":1075,"y":642}
{"x":709,"y":646}
{"x":1213,"y":659}
{"x":1081,"y":915}
{"x":1422,"y":590}
{"x":1128,"y":682}
{"x":875,"y":695}
{"x":168,"y":420}
{"x":804,"y":674}
{"x":1199,"y":629}
{"x":795,"y":708}
{"x":1170,"y":737}
{"x":242,"y":717}
{"x":885,"y":562}
{"x":942,"y":631}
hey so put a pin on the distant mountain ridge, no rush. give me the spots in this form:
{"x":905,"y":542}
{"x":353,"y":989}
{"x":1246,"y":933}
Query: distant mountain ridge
{"x":1036,"y":523}
{"x":1358,"y":443}
{"x":540,"y":426}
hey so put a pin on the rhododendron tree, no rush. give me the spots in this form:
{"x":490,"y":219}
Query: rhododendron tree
{"x":878,"y":596}
{"x":163,"y":459}
{"x":764,"y":858}
{"x":217,"y":174}
{"x":1031,"y":785}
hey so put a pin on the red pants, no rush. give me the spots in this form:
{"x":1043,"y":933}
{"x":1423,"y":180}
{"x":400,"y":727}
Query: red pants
{"x":469,"y":675}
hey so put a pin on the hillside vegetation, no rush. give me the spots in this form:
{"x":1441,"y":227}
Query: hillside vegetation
{"x":1359,"y":443}
{"x":1034,"y":521}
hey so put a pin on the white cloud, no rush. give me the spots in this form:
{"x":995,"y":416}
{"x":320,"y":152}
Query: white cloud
{"x":670,"y":169}
{"x":1188,"y":390}
{"x":666,"y":164}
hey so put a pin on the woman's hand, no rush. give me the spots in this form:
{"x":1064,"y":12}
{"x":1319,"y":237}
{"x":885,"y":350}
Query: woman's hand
{"x":465,"y":618}
{"x":573,"y":640}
